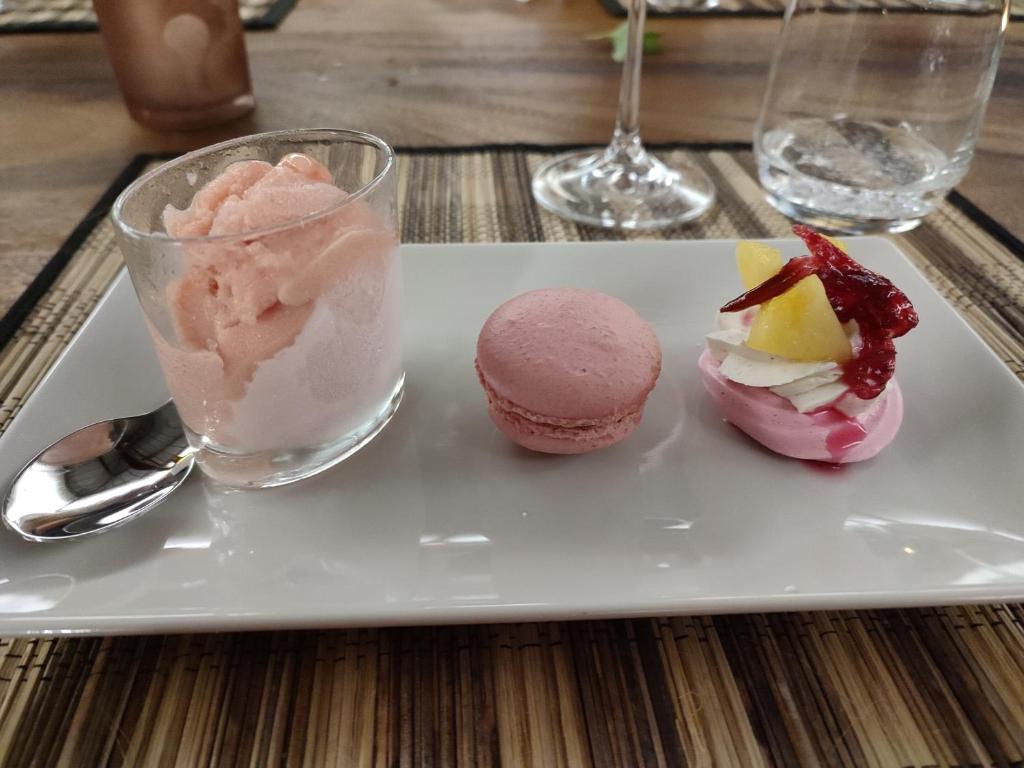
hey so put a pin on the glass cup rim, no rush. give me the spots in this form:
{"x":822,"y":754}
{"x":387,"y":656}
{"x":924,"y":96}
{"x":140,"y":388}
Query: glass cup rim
{"x":339,"y":133}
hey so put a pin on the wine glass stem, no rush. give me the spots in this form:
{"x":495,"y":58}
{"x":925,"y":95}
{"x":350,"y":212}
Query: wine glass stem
{"x":627,"y":126}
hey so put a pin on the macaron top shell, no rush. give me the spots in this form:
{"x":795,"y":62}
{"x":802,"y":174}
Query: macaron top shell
{"x":569,"y":353}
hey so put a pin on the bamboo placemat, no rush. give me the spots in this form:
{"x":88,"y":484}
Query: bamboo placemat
{"x":926,"y":687}
{"x":775,"y":7}
{"x":78,"y":16}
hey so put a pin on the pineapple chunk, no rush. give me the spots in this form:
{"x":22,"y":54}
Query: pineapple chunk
{"x":757,"y":262}
{"x":800,"y":325}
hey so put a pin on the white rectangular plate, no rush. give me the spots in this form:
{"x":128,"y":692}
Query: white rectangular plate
{"x":441,"y":520}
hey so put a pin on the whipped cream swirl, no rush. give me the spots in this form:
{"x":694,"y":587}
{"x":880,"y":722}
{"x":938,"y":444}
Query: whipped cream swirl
{"x":808,"y":386}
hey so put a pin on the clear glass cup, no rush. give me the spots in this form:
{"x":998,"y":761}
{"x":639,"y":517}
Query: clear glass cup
{"x":871,"y":115}
{"x":624,"y":186}
{"x":181,"y":64}
{"x":275,"y":306}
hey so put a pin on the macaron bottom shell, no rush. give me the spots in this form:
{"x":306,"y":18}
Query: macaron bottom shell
{"x":553,"y":438}
{"x":772,"y":421}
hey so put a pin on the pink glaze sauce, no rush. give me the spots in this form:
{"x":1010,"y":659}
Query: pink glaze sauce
{"x":844,"y":433}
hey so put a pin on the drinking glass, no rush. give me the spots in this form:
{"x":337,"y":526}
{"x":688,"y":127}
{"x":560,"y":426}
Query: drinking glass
{"x":275,"y":303}
{"x":181,"y":64}
{"x":623,"y":185}
{"x":871,"y":115}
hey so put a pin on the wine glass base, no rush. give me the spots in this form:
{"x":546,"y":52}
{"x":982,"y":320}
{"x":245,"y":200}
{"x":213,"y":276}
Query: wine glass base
{"x":622,"y":190}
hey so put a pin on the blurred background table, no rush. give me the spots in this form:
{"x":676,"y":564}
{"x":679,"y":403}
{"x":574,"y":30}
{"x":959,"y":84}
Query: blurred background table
{"x":418,"y":73}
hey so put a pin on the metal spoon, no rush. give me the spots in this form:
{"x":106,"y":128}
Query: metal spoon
{"x":99,"y":477}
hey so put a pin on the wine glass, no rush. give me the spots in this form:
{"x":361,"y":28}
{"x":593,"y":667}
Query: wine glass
{"x":624,"y":186}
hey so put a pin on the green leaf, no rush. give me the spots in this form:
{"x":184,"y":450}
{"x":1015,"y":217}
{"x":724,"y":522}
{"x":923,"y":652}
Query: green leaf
{"x":619,"y":37}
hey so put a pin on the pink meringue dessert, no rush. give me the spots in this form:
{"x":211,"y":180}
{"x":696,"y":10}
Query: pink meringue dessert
{"x":803,"y":362}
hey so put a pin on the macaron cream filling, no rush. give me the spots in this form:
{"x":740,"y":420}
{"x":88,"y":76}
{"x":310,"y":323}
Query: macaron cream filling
{"x":610,"y":424}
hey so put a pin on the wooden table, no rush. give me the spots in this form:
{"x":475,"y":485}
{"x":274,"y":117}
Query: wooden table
{"x":417,"y":72}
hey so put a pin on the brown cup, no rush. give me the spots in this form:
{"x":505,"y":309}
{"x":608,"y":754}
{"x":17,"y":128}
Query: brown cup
{"x":181,"y":64}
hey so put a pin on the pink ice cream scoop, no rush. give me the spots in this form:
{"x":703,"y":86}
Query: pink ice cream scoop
{"x":287,"y":297}
{"x":826,"y":435}
{"x":566,"y":370}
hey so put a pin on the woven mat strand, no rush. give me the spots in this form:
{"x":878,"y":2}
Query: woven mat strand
{"x":927,"y":687}
{"x":77,"y":15}
{"x":775,"y":7}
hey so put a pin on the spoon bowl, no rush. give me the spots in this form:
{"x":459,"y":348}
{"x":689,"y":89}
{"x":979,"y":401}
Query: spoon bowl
{"x":99,"y":477}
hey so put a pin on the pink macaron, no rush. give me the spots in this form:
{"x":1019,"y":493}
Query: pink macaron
{"x":566,"y":370}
